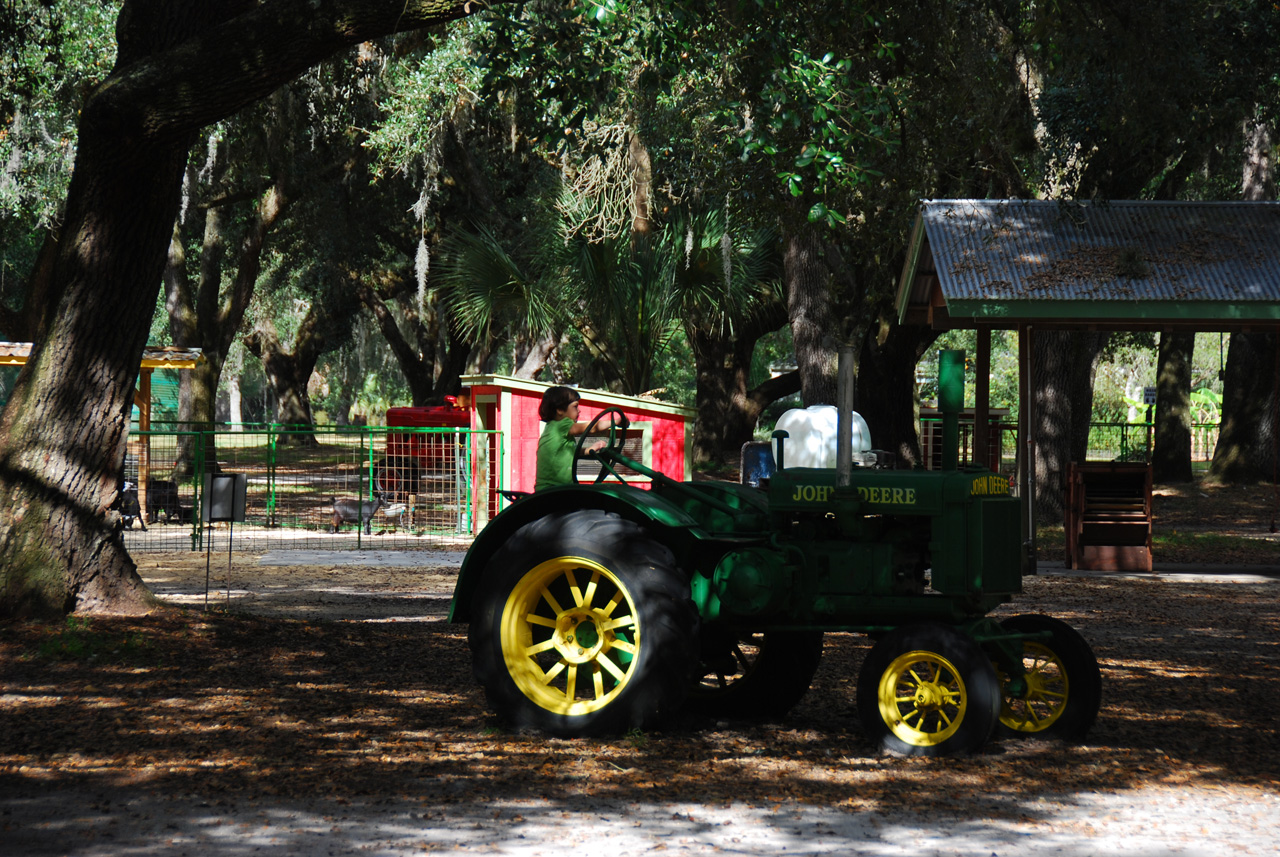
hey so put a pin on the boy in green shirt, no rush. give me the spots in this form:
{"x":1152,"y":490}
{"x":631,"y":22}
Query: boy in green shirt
{"x":559,"y":410}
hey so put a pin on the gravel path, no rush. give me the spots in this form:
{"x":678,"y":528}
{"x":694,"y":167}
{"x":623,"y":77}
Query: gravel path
{"x":66,"y":817}
{"x":1148,"y":822}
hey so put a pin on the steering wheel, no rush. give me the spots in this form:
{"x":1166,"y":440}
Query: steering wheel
{"x":616,"y":437}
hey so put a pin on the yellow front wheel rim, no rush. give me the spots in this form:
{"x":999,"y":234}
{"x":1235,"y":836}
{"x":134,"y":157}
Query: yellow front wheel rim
{"x":1047,"y":691}
{"x":570,"y":635}
{"x":922,"y":698}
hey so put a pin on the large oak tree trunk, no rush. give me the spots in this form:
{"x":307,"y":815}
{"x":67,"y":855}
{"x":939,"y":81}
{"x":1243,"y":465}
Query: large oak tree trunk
{"x":433,"y":366}
{"x":289,"y":370}
{"x":886,"y":388}
{"x":202,"y":316}
{"x":1171,"y":458}
{"x":807,"y":278}
{"x":1064,"y":366}
{"x":288,"y":373}
{"x":64,"y":430}
{"x":179,"y":66}
{"x":1246,"y":449}
{"x":728,"y":407}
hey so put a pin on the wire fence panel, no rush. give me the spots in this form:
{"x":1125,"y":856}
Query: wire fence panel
{"x":1107,"y":442}
{"x":329,"y":488}
{"x":163,"y":468}
{"x":1133,"y":441}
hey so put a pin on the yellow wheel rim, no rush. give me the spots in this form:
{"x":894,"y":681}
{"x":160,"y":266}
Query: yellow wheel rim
{"x":922,"y":698}
{"x":1047,"y":691}
{"x":570,"y":635}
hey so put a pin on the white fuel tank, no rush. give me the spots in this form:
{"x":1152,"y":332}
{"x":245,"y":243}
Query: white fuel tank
{"x":813,"y":437}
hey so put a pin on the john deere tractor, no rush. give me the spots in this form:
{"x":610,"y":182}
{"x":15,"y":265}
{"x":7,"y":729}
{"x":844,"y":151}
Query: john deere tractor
{"x":595,"y":609}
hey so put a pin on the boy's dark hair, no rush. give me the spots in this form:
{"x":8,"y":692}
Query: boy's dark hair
{"x":555,"y":400}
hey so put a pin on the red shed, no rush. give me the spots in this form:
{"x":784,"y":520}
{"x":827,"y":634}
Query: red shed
{"x":657,"y":437}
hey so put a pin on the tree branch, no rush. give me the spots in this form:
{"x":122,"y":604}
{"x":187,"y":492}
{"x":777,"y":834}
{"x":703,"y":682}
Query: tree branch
{"x":162,"y":97}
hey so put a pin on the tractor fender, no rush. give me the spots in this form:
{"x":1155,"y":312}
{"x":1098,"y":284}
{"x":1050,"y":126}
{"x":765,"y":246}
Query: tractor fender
{"x":669,"y":524}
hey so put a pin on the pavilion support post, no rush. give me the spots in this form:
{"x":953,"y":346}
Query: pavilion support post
{"x":1027,"y":442}
{"x":142,"y":397}
{"x":982,"y":401}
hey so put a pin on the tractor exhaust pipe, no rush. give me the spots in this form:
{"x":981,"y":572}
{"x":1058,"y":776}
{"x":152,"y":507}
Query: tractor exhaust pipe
{"x":950,"y":402}
{"x":846,"y":386}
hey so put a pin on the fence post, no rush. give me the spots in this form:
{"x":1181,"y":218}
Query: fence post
{"x":197,"y":505}
{"x":366,"y":481}
{"x":272,"y":438}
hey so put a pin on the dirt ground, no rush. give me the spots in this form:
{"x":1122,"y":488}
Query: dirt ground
{"x":1248,"y":510}
{"x":323,"y":705}
{"x":309,"y":585}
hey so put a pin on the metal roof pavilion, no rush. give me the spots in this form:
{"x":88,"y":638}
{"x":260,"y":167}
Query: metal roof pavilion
{"x":1126,"y":265}
{"x":1035,"y":265}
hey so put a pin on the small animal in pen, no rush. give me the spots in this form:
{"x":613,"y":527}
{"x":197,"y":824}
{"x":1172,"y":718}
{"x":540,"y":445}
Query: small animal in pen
{"x":162,"y":496}
{"x":126,"y":503}
{"x":347,"y":511}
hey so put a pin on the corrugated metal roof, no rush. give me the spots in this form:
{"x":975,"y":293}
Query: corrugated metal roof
{"x":997,"y":261}
{"x":153,"y":356}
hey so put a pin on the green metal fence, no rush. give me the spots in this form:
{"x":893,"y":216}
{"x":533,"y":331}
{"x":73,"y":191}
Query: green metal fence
{"x":1133,"y":441}
{"x":1107,"y":442}
{"x":403,"y":488}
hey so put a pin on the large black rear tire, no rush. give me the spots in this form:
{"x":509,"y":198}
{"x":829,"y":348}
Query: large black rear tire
{"x":754,"y":675}
{"x":928,"y":690}
{"x":582,"y":625}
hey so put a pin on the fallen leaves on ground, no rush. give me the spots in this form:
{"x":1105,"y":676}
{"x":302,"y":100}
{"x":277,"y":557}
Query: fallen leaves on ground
{"x":233,"y":706}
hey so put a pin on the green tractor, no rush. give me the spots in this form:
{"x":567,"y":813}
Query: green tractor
{"x":595,"y":609}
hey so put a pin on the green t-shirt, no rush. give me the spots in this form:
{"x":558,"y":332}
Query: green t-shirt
{"x":555,"y":455}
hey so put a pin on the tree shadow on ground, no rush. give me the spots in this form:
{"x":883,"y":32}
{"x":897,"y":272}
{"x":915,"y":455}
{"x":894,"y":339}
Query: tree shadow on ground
{"x":231,"y":708}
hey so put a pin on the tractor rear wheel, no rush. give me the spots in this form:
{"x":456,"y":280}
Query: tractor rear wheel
{"x":754,"y":675}
{"x":1061,"y":691}
{"x":928,"y":690}
{"x":582,"y":625}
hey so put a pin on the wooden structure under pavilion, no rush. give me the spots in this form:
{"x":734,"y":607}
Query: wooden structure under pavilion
{"x":153,"y":358}
{"x":1033,"y":265}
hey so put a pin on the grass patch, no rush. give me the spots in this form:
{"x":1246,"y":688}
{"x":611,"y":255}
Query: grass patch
{"x":78,"y":640}
{"x":1179,"y":546}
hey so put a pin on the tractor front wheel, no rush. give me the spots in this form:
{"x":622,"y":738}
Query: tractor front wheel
{"x":928,"y":690}
{"x":1060,"y":691}
{"x":582,"y":625}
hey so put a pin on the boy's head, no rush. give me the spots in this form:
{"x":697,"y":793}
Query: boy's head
{"x":554,"y":401}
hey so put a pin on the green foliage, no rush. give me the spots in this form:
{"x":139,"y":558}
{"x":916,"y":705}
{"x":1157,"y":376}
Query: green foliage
{"x":1146,"y":98}
{"x":765,"y":101}
{"x":53,"y":55}
{"x":424,"y":94}
{"x":629,"y":308}
{"x":1206,"y":407}
{"x":675,"y":378}
{"x":631,"y":295}
{"x":1004,"y":368}
{"x":773,"y":350}
{"x":486,"y":287}
{"x":817,"y":114}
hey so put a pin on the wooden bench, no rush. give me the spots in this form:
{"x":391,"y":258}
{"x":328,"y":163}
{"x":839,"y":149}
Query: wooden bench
{"x":1108,"y":516}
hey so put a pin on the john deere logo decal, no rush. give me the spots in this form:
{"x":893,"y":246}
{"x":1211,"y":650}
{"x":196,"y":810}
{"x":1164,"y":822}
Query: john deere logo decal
{"x":879,"y":496}
{"x":985,"y":485}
